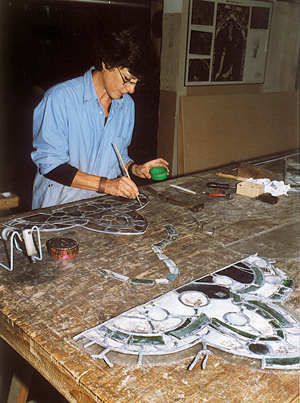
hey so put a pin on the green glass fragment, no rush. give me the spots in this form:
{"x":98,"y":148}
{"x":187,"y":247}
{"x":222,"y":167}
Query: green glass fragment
{"x":288,"y":283}
{"x":171,"y":277}
{"x":191,"y":327}
{"x":119,"y":336}
{"x":251,"y":288}
{"x":277,"y":315}
{"x":236,"y":298}
{"x":146,"y":340}
{"x":286,"y":361}
{"x":142,"y":281}
{"x":217,"y":324}
{"x":264,"y":314}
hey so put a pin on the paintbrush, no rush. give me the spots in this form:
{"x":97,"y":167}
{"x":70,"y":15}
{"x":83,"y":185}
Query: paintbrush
{"x":126,"y":171}
{"x":247,"y":171}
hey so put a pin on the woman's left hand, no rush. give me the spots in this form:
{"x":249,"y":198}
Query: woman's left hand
{"x":143,"y":171}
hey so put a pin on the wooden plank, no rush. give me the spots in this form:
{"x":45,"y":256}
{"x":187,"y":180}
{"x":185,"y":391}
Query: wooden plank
{"x":166,"y":126}
{"x":180,"y":156}
{"x":222,"y":129}
{"x":8,"y":200}
{"x":20,"y":385}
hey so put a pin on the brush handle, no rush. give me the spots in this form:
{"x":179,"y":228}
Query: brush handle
{"x":226,"y":175}
{"x":238,"y":178}
{"x":126,"y":171}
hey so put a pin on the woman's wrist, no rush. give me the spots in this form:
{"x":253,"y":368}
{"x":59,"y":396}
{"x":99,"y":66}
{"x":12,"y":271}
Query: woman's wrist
{"x":102,"y":184}
{"x":131,"y":170}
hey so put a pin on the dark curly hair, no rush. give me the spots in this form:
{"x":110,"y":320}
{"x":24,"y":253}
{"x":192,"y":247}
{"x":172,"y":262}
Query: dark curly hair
{"x":129,"y":49}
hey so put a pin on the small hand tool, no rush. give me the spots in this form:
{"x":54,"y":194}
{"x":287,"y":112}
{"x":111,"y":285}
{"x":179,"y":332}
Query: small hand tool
{"x":268,"y":198}
{"x":217,"y":185}
{"x":246,"y":171}
{"x":184,"y":189}
{"x":126,"y":171}
{"x":194,"y":208}
{"x":218,"y":193}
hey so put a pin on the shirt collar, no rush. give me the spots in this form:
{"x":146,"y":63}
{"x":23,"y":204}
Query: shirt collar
{"x":90,"y":92}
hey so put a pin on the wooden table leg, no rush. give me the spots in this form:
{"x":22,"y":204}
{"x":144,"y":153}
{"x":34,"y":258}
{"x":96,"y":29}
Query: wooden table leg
{"x":19,"y":387}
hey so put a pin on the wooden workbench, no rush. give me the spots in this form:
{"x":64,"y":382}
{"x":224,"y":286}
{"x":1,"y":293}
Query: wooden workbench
{"x":43,"y":305}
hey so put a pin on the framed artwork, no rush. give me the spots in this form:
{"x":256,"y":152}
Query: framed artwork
{"x":227,"y":42}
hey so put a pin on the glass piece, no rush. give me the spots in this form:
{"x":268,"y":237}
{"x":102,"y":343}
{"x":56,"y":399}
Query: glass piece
{"x":236,"y":298}
{"x":264,"y":314}
{"x":158,"y":314}
{"x":206,"y":279}
{"x":282,"y":361}
{"x":211,"y":291}
{"x":258,"y":348}
{"x":236,"y":318}
{"x":148,"y":340}
{"x":190,"y":327}
{"x":107,"y":214}
{"x":142,"y":281}
{"x":172,"y":232}
{"x":277,"y":315}
{"x":218,"y":324}
{"x":236,"y":274}
{"x":171,"y":277}
{"x":276,"y":297}
{"x":222,"y":280}
{"x":36,"y":218}
{"x":244,"y":266}
{"x":58,"y":214}
{"x":194,"y":298}
{"x":135,"y":325}
{"x":288,"y":283}
{"x":251,"y":288}
{"x":258,"y":281}
{"x":272,"y":338}
{"x":234,"y":322}
{"x":119,"y":336}
{"x":105,"y":329}
{"x":274,"y":324}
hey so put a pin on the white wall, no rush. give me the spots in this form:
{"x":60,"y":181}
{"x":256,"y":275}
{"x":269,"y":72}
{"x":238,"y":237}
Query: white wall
{"x":283,"y":51}
{"x":281,"y":66}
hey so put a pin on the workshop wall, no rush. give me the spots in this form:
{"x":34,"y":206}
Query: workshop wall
{"x":280,"y":76}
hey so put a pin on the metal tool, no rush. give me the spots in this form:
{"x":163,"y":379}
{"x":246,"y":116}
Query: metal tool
{"x":217,"y":192}
{"x":217,"y":185}
{"x":24,"y":242}
{"x":193,"y":207}
{"x":184,"y":189}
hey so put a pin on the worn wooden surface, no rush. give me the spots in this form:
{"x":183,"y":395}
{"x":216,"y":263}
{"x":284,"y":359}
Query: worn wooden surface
{"x":43,"y":305}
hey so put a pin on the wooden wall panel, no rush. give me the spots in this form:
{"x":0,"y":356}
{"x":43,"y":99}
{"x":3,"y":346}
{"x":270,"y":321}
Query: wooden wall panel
{"x":166,"y":126}
{"x":221,"y":129}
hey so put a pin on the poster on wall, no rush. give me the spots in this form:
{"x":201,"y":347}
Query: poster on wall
{"x":227,"y":42}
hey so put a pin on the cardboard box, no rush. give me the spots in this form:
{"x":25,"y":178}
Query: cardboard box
{"x":8,"y":200}
{"x":250,"y":189}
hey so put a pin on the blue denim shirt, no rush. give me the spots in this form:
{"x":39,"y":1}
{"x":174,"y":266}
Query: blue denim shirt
{"x":69,"y":127}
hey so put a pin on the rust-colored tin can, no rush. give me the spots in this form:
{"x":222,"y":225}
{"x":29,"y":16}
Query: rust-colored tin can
{"x":62,"y":248}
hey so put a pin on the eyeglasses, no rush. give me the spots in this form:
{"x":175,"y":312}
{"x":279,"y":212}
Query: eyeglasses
{"x":126,"y":80}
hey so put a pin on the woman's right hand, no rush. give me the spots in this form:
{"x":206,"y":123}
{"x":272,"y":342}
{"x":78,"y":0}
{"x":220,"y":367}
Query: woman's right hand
{"x":123,"y":187}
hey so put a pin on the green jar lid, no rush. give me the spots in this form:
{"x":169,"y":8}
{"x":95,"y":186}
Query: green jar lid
{"x":158,"y":173}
